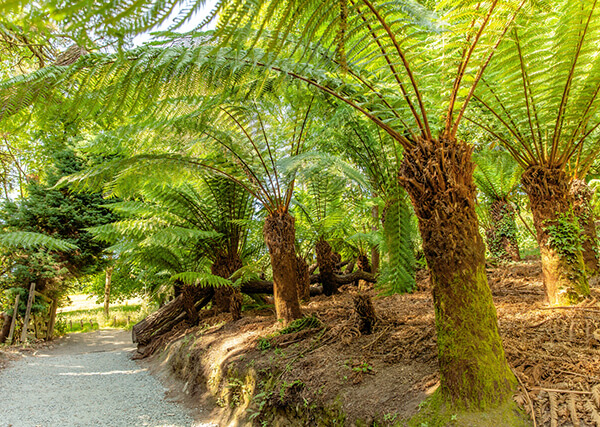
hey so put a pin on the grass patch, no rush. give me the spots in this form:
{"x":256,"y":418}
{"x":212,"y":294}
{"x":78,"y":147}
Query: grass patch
{"x":120,"y":317}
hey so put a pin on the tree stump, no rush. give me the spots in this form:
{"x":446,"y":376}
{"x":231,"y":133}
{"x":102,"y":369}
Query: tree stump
{"x":363,"y":305}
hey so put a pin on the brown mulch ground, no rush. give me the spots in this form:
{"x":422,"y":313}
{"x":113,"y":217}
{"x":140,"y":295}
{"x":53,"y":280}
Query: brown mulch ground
{"x":385,"y":375}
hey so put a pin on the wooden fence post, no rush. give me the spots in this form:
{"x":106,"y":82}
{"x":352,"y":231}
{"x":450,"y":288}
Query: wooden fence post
{"x":53,"y":308}
{"x":14,"y":319}
{"x":28,"y":312}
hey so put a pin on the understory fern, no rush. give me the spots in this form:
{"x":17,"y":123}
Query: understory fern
{"x":399,"y":263}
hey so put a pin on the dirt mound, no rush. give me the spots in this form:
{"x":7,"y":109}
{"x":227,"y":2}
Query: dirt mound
{"x":328,"y":370}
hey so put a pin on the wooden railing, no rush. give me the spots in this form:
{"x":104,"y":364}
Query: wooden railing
{"x":38,"y":325}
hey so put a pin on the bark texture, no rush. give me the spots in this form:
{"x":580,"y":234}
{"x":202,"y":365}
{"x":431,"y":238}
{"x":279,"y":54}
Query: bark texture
{"x":363,"y":306}
{"x":326,"y":262}
{"x":235,"y":307}
{"x":502,"y":237}
{"x":557,"y":234}
{"x":438,"y":176}
{"x":5,"y":319}
{"x":280,"y":236}
{"x":582,"y":208}
{"x":224,"y":266}
{"x":167,"y":317}
{"x":303,"y":278}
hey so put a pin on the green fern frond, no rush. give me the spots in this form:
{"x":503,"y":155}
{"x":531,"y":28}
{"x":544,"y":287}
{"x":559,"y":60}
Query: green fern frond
{"x":30,"y":240}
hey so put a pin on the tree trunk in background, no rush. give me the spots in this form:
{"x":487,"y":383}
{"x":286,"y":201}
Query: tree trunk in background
{"x":557,"y":235}
{"x":303,"y":278}
{"x":502,"y":237}
{"x":438,"y":176}
{"x":107,"y":286}
{"x":280,"y":236}
{"x":224,"y":266}
{"x":326,"y":263}
{"x":375,"y":250}
{"x":362,"y":263}
{"x":6,"y":320}
{"x":582,"y":208}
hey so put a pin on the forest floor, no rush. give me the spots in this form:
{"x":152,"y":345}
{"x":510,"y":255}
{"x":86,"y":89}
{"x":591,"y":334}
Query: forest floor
{"x":85,"y":379}
{"x":383,"y":377}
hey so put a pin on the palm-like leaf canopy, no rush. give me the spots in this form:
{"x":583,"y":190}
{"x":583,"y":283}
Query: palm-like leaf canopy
{"x":385,"y":59}
{"x":540,"y":97}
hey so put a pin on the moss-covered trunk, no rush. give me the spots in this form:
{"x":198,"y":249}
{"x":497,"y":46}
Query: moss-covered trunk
{"x":280,"y":236}
{"x":224,"y":266}
{"x":438,"y":176}
{"x":502,"y":236}
{"x":326,"y":263}
{"x":557,"y":233}
{"x":582,"y":208}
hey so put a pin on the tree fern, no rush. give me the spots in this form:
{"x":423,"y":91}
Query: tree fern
{"x":30,"y":240}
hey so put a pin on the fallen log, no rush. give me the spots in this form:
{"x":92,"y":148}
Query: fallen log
{"x":166,"y":317}
{"x":343,"y":279}
{"x":266,"y":287}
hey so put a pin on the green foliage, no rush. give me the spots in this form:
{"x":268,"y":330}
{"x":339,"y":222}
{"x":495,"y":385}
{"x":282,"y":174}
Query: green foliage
{"x":540,"y":97}
{"x":308,"y":322}
{"x":497,"y":175}
{"x":399,"y":230}
{"x":564,"y":235}
{"x":30,"y":240}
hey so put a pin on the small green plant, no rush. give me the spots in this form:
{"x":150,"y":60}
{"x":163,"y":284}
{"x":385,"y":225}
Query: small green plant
{"x":264,"y":344}
{"x":390,"y":417}
{"x":363,"y":367}
{"x":308,"y":322}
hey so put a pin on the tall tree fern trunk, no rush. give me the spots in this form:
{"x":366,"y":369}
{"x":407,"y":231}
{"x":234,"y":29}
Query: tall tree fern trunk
{"x":557,"y":234}
{"x":224,"y":266}
{"x":438,"y":176}
{"x":280,"y":236}
{"x":326,"y":263}
{"x":398,"y":274}
{"x":582,"y":208}
{"x":303,"y":278}
{"x":502,"y":237}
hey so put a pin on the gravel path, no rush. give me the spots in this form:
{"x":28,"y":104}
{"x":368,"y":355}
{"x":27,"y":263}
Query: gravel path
{"x":87,"y":380}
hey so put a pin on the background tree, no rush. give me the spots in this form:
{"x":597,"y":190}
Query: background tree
{"x":497,"y":177}
{"x":542,"y":98}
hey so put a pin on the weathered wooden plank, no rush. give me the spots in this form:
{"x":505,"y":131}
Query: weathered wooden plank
{"x":14,"y":319}
{"x":53,"y":308}
{"x":28,"y":311}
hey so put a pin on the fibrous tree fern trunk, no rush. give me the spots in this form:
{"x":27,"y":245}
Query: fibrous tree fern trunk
{"x":224,"y":266}
{"x":473,"y":368}
{"x":502,"y":236}
{"x":582,"y":208}
{"x":557,"y":234}
{"x":303,"y":278}
{"x":326,"y":263}
{"x":280,"y":234}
